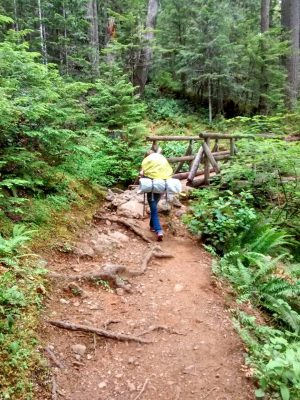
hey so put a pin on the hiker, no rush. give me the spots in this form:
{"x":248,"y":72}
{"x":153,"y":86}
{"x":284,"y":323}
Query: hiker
{"x":155,"y":166}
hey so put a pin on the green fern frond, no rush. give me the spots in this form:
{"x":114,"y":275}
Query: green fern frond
{"x":283,"y":311}
{"x":277,"y":286}
{"x":265,"y":269}
{"x":263,"y":239}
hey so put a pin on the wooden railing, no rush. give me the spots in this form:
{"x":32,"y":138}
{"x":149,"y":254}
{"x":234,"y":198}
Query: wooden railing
{"x":207,"y":155}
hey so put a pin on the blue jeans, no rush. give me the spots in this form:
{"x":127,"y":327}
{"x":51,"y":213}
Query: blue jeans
{"x":153,"y":199}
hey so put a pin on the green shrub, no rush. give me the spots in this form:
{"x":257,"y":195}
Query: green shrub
{"x":275,"y":355}
{"x":219,"y":218}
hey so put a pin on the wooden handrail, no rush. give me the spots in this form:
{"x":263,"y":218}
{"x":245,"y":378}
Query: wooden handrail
{"x":171,"y":138}
{"x":211,"y":135}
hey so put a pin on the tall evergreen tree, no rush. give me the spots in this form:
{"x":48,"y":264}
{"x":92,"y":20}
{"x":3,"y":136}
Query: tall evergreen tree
{"x":290,"y":22}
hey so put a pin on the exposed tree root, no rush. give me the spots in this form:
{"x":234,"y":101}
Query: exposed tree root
{"x":143,"y":389}
{"x":154,"y":252}
{"x":207,"y":394}
{"x":111,"y":321}
{"x":54,"y":388}
{"x":53,"y":357}
{"x":98,"y":331}
{"x":160,"y":328}
{"x":126,"y":223}
{"x":108,"y":273}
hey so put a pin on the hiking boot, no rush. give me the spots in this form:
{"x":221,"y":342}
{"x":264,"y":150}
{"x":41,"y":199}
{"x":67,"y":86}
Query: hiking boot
{"x":159,"y":236}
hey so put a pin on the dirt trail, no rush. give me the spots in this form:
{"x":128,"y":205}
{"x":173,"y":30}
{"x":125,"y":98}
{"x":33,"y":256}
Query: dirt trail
{"x":198,"y":355}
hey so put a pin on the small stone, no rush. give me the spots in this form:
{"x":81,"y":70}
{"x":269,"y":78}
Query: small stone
{"x":119,"y":376}
{"x":179,"y":213}
{"x":84,"y":250}
{"x":131,"y":386}
{"x":131,"y":360}
{"x":120,"y":291}
{"x":94,"y":307}
{"x":178,"y":287}
{"x":89,"y":356}
{"x":196,"y":348}
{"x":64,"y":301}
{"x":79,"y":349}
{"x":76,"y":304}
{"x":188,"y":369}
{"x":102,"y":385}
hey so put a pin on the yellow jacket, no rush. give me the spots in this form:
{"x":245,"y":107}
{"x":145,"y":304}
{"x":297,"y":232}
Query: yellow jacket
{"x":156,"y":166}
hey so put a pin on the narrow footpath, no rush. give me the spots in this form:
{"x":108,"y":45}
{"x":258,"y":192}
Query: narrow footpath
{"x":191,"y":351}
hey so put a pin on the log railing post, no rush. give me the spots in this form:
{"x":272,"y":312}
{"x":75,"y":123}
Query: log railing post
{"x":154,"y":146}
{"x":209,"y":155}
{"x":216,"y":146}
{"x":232,"y":147}
{"x":206,"y":165}
{"x":188,"y":152}
{"x":195,"y":165}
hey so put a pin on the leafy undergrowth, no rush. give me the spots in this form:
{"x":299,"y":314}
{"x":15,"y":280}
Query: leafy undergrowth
{"x":22,"y":286}
{"x":249,"y":220}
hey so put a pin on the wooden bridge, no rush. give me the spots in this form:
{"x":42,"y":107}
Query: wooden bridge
{"x":208,"y":154}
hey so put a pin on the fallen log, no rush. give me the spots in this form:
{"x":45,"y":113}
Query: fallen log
{"x":200,"y":181}
{"x":184,"y":175}
{"x":97,"y":331}
{"x":126,"y":223}
{"x":222,"y":157}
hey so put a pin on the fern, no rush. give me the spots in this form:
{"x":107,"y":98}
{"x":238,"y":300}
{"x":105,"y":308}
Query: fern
{"x":266,"y":268}
{"x":278,"y":286}
{"x":11,"y":246}
{"x":261,"y":238}
{"x":283,"y":311}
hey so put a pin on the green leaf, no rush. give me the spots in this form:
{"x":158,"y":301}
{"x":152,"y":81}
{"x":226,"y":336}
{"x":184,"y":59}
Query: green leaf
{"x":285,"y":392}
{"x":259,"y":393}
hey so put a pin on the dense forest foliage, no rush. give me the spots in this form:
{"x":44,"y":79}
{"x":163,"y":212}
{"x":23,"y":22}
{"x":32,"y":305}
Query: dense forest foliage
{"x":83,"y":82}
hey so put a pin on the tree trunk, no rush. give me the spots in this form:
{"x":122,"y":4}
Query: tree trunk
{"x":209,"y":101}
{"x":16,"y":16}
{"x":144,"y":62}
{"x":66,"y":55}
{"x":265,"y":15}
{"x":42,"y":31}
{"x":290,"y":22}
{"x":92,"y":17}
{"x":111,"y":33}
{"x":264,"y":27}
